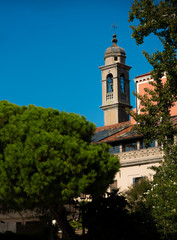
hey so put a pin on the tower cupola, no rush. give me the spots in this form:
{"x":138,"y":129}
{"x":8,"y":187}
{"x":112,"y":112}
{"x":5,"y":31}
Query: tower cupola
{"x":114,"y":53}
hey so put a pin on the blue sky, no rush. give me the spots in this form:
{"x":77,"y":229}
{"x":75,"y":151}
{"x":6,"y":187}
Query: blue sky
{"x":50,"y":51}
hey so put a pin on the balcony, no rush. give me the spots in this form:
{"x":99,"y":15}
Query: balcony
{"x":141,"y":156}
{"x":109,"y":96}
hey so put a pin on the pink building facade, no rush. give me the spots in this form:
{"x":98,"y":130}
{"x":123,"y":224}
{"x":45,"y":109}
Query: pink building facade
{"x":142,"y":82}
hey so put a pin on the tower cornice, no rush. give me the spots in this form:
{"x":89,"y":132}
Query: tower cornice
{"x":114,"y":105}
{"x":120,"y":65}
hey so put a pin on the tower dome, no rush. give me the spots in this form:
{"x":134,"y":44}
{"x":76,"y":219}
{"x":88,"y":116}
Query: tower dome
{"x":115,"y":53}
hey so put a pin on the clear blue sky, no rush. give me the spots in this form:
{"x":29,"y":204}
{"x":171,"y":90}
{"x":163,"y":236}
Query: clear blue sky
{"x":50,"y":51}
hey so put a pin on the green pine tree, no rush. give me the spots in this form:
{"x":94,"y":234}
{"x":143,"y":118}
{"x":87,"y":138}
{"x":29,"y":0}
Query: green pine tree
{"x":47,"y":159}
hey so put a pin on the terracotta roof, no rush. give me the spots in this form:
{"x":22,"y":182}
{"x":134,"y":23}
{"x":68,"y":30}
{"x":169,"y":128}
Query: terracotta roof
{"x":118,"y":132}
{"x":143,"y":75}
{"x":117,"y":125}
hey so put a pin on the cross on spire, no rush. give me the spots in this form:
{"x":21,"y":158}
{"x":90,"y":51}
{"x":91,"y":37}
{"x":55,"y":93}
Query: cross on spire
{"x":114,"y":26}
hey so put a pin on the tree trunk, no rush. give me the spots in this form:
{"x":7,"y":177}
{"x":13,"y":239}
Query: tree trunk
{"x":59,"y":214}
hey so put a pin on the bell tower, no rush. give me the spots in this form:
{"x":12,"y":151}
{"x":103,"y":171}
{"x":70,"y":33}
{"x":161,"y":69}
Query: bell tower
{"x":115,"y":85}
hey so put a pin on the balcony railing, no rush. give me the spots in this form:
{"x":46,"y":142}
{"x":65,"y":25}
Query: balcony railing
{"x":142,"y":156}
{"x":109,"y":96}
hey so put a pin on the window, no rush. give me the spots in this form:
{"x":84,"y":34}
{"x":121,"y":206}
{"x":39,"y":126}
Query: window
{"x":142,"y":145}
{"x":152,"y":144}
{"x":110,"y":83}
{"x":115,"y":149}
{"x":115,"y":58}
{"x":137,"y":180}
{"x":122,"y":83}
{"x":131,"y":146}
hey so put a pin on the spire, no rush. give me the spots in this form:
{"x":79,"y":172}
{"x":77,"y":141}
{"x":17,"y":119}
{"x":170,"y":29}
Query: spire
{"x":114,"y":40}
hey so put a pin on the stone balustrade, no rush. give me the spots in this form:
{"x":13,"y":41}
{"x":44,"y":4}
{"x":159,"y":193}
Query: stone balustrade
{"x":141,"y":156}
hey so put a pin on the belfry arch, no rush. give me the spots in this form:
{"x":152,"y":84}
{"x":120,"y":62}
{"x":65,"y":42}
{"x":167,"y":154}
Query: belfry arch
{"x":109,"y":83}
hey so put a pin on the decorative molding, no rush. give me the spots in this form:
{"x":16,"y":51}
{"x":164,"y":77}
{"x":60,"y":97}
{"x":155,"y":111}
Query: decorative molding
{"x":121,"y":65}
{"x":143,"y":78}
{"x":115,"y":105}
{"x":142,"y":156}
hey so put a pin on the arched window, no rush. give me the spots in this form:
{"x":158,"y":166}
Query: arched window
{"x":109,"y":83}
{"x":122,"y":83}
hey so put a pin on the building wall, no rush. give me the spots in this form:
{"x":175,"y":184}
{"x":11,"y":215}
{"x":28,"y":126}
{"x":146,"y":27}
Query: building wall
{"x":9,"y":220}
{"x":125,"y":177}
{"x":111,"y":116}
{"x":8,"y":226}
{"x":136,"y":164}
{"x":142,"y":83}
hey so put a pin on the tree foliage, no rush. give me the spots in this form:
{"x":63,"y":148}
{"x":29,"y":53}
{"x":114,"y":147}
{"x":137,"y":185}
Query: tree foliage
{"x":161,"y":198}
{"x":108,"y":217}
{"x":136,"y":197}
{"x":135,"y":193}
{"x":47,"y":159}
{"x":155,"y":201}
{"x":105,"y":217}
{"x":159,"y":18}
